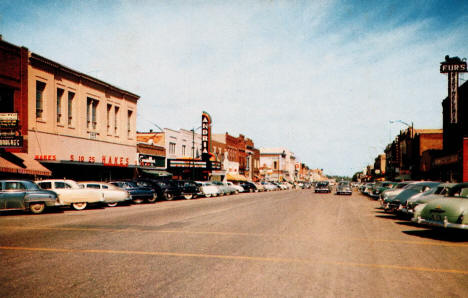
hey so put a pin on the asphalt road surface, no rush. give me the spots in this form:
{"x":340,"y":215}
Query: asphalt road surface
{"x":288,"y":243}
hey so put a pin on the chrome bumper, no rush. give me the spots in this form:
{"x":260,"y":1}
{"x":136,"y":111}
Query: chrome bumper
{"x":443,"y":224}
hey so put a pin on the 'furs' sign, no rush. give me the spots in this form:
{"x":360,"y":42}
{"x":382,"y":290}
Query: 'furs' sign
{"x":453,"y":64}
{"x":459,"y":67}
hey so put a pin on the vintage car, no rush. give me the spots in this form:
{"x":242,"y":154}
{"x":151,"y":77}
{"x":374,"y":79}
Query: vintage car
{"x":259,"y":186}
{"x":236,"y":186}
{"x":438,"y":192}
{"x":381,"y":187}
{"x":207,"y":189}
{"x":398,"y":203}
{"x":224,"y":188}
{"x":450,"y":212}
{"x":163,"y":189}
{"x":268,"y":186}
{"x":343,"y":188}
{"x":187,"y":189}
{"x":248,"y":186}
{"x":111,"y":194}
{"x":393,"y":192}
{"x":70,"y":193}
{"x":323,"y":186}
{"x":25,"y":195}
{"x":138,"y":193}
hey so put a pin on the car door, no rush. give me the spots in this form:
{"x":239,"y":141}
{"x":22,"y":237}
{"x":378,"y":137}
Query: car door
{"x":14,"y":195}
{"x":2,"y":197}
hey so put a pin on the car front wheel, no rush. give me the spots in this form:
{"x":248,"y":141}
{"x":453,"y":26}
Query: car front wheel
{"x":113,"y":204}
{"x":79,"y":206}
{"x":37,"y":208}
{"x":153,"y":198}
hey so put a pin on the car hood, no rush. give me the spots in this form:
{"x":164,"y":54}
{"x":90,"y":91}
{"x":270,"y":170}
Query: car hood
{"x":450,"y":207}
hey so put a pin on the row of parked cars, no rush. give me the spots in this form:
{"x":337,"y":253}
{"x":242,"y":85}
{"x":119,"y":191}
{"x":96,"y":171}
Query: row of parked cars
{"x":428,"y":203}
{"x":35,"y":196}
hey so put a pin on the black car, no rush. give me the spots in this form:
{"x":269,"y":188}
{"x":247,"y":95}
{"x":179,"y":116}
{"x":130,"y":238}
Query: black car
{"x":164,"y":189}
{"x":323,"y":186}
{"x":248,"y":186}
{"x":188,"y":189}
{"x":138,"y":193}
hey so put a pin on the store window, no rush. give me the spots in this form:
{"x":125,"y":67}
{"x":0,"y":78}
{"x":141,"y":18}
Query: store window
{"x":40,"y":87}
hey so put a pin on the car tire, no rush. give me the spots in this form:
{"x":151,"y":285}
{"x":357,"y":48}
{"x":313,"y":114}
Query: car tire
{"x":79,"y":206}
{"x":188,"y":197}
{"x":36,"y":208}
{"x":153,"y":198}
{"x":168,"y":197}
{"x":113,"y":204}
{"x":207,"y":195}
{"x":138,"y":201}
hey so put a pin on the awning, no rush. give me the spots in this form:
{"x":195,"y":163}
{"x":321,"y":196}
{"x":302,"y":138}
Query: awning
{"x":22,"y":163}
{"x":159,"y":173}
{"x":235,"y":177}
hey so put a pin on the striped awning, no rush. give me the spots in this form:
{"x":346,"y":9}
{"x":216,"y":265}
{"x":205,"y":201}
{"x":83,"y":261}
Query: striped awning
{"x":22,"y":163}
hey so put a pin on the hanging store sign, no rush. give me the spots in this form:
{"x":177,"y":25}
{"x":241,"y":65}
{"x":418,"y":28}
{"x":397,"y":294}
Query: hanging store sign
{"x":183,"y":163}
{"x":145,"y":160}
{"x":7,"y":141}
{"x":453,"y":66}
{"x":8,"y":120}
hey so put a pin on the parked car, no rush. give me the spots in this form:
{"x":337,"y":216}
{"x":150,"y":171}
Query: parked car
{"x":237,"y":187}
{"x":208,"y":189}
{"x":111,"y":194}
{"x":25,"y":195}
{"x":323,"y":186}
{"x":187,"y":189}
{"x":138,"y":193}
{"x":450,"y":212}
{"x":343,"y":188}
{"x":438,"y":192}
{"x":381,"y":187}
{"x":70,"y":193}
{"x":397,"y":203}
{"x":248,"y":186}
{"x":163,"y":189}
{"x":268,"y":186}
{"x":224,"y":189}
{"x":259,"y":186}
{"x":389,"y":193}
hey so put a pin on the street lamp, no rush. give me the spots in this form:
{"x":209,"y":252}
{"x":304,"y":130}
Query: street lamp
{"x":397,"y":121}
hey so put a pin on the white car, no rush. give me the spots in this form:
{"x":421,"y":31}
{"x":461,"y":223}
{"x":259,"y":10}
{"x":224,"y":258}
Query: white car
{"x":208,"y":189}
{"x":70,"y":193}
{"x":112,"y":194}
{"x":237,"y":187}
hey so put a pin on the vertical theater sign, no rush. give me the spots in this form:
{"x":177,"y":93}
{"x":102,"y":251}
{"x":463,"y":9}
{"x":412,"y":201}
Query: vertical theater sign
{"x":206,"y":136}
{"x":452,"y":67}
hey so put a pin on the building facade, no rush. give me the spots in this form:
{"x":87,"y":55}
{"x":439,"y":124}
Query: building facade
{"x":75,"y":125}
{"x":277,"y":164}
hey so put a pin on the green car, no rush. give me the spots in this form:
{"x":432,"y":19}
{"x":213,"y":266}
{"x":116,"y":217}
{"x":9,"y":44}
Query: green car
{"x":25,"y":195}
{"x":450,"y":212}
{"x":440,"y":192}
{"x":381,"y":187}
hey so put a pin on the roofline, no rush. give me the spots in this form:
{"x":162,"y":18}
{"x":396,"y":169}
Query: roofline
{"x":81,"y":75}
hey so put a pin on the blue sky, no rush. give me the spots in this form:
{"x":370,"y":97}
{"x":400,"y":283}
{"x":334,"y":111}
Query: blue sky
{"x":322,"y":78}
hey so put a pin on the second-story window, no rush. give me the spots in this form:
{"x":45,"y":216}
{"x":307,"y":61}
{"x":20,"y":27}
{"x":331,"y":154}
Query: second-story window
{"x":91,"y":113}
{"x":59,"y":105}
{"x":116,"y":120}
{"x":109,"y":110}
{"x":129,"y":123}
{"x":183,"y":150}
{"x":40,"y":87}
{"x":171,"y":148}
{"x":71,"y":95}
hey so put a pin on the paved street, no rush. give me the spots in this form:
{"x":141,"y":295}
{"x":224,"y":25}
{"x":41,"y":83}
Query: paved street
{"x":289,"y":243}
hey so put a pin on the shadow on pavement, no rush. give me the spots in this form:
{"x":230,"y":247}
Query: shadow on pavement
{"x":440,"y":234}
{"x":388,"y":216}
